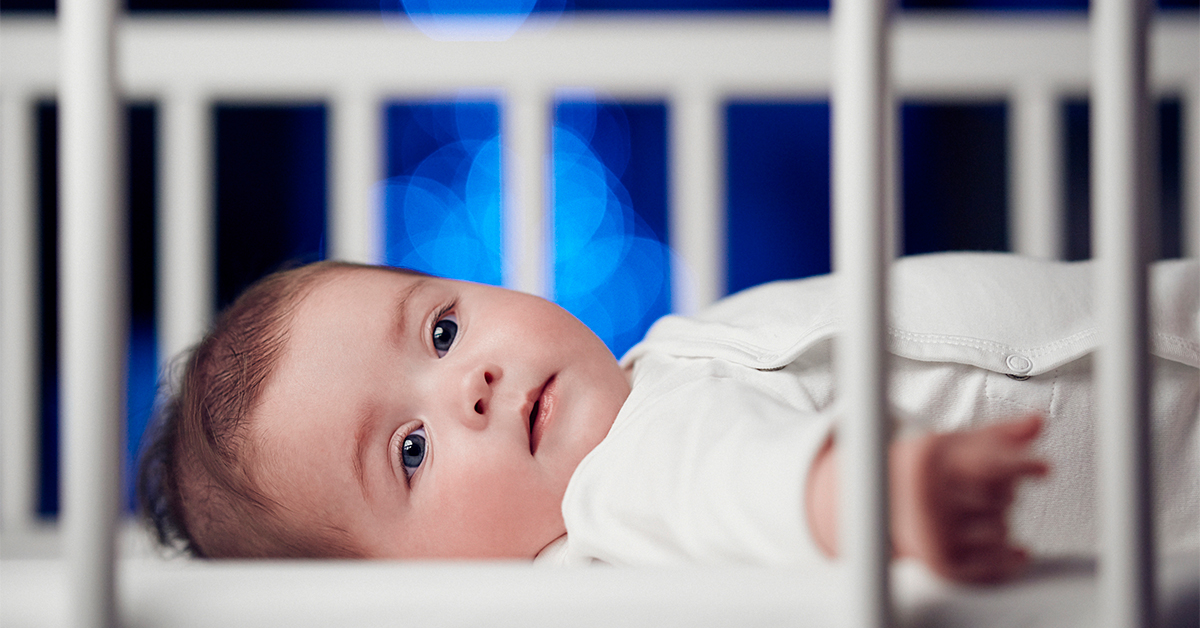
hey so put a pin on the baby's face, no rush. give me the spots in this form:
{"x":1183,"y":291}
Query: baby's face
{"x":433,"y":418}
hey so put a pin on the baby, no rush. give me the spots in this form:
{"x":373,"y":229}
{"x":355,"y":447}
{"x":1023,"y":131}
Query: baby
{"x":338,"y":410}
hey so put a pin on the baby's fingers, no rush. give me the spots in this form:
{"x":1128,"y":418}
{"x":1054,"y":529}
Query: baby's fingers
{"x":986,"y":483}
{"x":1020,"y":431}
{"x":1012,"y":465}
{"x":991,"y":462}
{"x":979,"y":533}
{"x":988,"y":566}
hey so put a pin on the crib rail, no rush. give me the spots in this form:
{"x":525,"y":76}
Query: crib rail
{"x":94,"y":305}
{"x":862,"y":226}
{"x":355,"y":64}
{"x":1123,"y":197}
{"x":317,"y":595}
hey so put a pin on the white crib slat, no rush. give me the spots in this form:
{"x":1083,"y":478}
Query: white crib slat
{"x":1036,"y":216}
{"x":696,"y":212}
{"x":18,"y":313}
{"x":525,"y":119}
{"x":1123,"y":202}
{"x":185,"y":264}
{"x":859,"y":188}
{"x":355,"y":223}
{"x":95,"y":320}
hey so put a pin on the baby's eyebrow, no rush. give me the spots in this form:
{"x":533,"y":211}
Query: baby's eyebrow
{"x":400,"y":311}
{"x":362,"y":440}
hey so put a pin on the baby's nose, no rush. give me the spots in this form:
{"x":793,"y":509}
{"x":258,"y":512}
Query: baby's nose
{"x":481,"y":386}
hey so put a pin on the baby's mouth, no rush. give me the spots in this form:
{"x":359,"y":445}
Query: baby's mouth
{"x":540,"y":413}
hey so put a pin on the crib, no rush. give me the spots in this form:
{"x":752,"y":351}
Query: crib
{"x":97,"y":572}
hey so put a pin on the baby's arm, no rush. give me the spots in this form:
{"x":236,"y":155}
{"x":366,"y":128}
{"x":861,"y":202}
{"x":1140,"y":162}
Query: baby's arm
{"x":950,"y":494}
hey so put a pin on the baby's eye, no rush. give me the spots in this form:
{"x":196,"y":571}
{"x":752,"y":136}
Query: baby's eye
{"x":444,"y":332}
{"x":412,"y":451}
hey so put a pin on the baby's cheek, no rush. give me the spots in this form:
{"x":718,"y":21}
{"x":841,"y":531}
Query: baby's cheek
{"x":502,"y":511}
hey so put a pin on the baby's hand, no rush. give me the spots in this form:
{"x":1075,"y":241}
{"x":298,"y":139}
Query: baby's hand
{"x":950,"y":497}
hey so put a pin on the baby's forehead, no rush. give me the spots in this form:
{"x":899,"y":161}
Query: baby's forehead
{"x":352,"y":287}
{"x":301,"y":443}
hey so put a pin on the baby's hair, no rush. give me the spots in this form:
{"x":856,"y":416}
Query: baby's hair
{"x":197,"y":475}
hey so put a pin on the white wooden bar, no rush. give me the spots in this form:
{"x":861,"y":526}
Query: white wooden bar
{"x":1124,"y":205}
{"x":185,"y":253}
{"x":859,"y":189}
{"x":94,"y":303}
{"x":18,"y":313}
{"x":318,"y":594}
{"x":696,"y":189}
{"x":525,"y":118}
{"x":1037,"y":220}
{"x":761,"y":55}
{"x":355,"y":222}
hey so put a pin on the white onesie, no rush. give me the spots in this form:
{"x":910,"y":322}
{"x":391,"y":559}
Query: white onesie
{"x":707,"y":461}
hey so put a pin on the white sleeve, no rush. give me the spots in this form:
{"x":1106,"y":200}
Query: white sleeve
{"x":710,"y":471}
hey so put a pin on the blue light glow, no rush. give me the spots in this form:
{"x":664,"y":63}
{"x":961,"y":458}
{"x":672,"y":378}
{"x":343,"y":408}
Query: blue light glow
{"x":467,"y":20}
{"x":141,"y":384}
{"x":443,"y":213}
{"x":610,"y":269}
{"x":469,"y":7}
{"x":443,"y":216}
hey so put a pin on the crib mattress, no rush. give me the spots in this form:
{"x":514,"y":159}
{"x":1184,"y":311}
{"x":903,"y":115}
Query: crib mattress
{"x":1058,"y":594}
